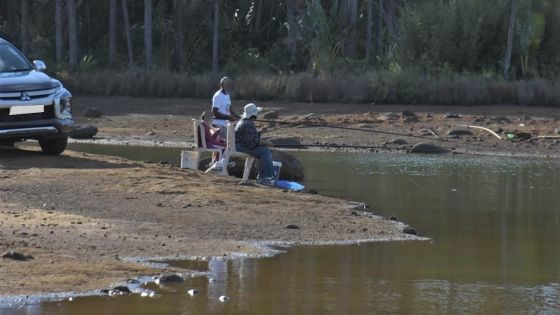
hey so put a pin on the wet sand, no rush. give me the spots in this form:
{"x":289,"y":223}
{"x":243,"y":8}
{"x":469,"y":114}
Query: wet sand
{"x":83,"y":217}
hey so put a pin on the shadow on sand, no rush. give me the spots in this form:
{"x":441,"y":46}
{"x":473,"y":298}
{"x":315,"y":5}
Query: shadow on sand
{"x":23,"y":158}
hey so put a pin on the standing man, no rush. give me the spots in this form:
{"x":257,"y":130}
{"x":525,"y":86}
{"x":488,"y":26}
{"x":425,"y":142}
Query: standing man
{"x":221,"y":106}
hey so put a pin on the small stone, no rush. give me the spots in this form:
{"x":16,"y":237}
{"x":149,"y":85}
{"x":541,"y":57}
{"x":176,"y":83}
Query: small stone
{"x":452,"y":115}
{"x":192,"y":292}
{"x":169,"y":278}
{"x":459,"y":132}
{"x":150,"y":133}
{"x":398,"y":141}
{"x":500,"y":119}
{"x":93,"y":113}
{"x":120,"y":290}
{"x":388,"y":116}
{"x":223,"y":298}
{"x":312,"y":191}
{"x":271,"y":114}
{"x":408,"y":113}
{"x":393,"y":218}
{"x":292,"y":226}
{"x":428,"y":148}
{"x":410,"y":230}
{"x":16,"y":256}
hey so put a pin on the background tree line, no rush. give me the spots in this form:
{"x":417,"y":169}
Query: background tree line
{"x":387,"y":45}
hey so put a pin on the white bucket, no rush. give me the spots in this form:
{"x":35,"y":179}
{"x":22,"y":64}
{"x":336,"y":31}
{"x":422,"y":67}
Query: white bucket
{"x":189,"y":159}
{"x":277,"y":165}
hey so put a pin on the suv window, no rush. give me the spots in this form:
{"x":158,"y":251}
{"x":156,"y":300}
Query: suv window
{"x":11,"y":60}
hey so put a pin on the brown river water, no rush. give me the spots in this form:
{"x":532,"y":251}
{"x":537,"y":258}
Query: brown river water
{"x":495,"y":249}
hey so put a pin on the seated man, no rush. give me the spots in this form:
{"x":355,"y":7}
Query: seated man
{"x":248,"y":140}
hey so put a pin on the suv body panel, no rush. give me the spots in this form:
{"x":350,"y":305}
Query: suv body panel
{"x":31,"y":87}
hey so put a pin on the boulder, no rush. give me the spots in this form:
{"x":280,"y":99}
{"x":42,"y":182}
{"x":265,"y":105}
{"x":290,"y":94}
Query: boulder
{"x":270,"y":115}
{"x":93,"y":113}
{"x":291,"y":167}
{"x":83,"y":132}
{"x":428,"y":148}
{"x":459,"y":132}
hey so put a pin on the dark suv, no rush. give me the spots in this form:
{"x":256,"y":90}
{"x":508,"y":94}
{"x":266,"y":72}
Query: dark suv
{"x":32,"y":104}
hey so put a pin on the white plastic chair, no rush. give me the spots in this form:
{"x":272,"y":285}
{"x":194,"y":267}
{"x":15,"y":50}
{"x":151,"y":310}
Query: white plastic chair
{"x":231,"y":151}
{"x":200,"y":141}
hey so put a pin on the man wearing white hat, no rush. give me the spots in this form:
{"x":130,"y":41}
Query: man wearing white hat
{"x":248,"y":140}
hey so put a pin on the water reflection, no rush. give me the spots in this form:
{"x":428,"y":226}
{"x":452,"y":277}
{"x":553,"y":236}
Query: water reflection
{"x":495,"y":223}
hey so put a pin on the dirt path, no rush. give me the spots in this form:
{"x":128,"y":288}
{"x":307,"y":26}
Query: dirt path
{"x":153,"y":121}
{"x":80,"y":214}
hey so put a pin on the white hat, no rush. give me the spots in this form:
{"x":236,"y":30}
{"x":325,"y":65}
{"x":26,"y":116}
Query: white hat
{"x":250,"y":110}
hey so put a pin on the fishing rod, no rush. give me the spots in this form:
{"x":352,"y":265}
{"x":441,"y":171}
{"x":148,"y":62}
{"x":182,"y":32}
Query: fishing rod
{"x":333,"y":145}
{"x":371,"y":131}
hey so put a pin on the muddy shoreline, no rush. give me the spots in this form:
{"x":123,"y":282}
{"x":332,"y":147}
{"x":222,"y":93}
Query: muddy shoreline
{"x":167,"y":122}
{"x":92,"y":221}
{"x":82,"y":217}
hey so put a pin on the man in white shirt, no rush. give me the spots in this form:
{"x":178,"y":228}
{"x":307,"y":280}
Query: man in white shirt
{"x":221,"y":106}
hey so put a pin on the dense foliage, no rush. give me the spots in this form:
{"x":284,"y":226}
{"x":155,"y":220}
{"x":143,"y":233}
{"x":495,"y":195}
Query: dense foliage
{"x":408,"y":40}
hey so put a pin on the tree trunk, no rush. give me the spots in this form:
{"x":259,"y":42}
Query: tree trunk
{"x":368,"y":29}
{"x":379,"y":28}
{"x":179,"y":9}
{"x":72,"y":35}
{"x":292,"y":30}
{"x":258,"y":17}
{"x":58,"y":31}
{"x":215,"y":35}
{"x":127,"y":33}
{"x":353,"y":23}
{"x":148,"y":32}
{"x":25,"y":26}
{"x":112,"y":32}
{"x":511,"y":29}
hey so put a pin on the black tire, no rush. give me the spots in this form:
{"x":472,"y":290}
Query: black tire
{"x":53,"y":146}
{"x":7,"y":144}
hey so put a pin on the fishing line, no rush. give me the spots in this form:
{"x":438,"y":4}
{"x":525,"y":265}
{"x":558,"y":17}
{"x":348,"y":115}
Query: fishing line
{"x":374,"y":131}
{"x":302,"y":145}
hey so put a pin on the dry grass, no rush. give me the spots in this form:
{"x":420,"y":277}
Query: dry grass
{"x":404,"y":87}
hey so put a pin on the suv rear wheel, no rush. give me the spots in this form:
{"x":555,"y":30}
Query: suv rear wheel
{"x":53,"y":146}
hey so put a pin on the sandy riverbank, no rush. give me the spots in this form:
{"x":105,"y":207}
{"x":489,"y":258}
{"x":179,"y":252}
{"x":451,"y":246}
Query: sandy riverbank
{"x":79,"y":215}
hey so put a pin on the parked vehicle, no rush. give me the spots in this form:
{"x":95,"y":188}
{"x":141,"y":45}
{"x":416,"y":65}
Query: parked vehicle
{"x":32,"y":104}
